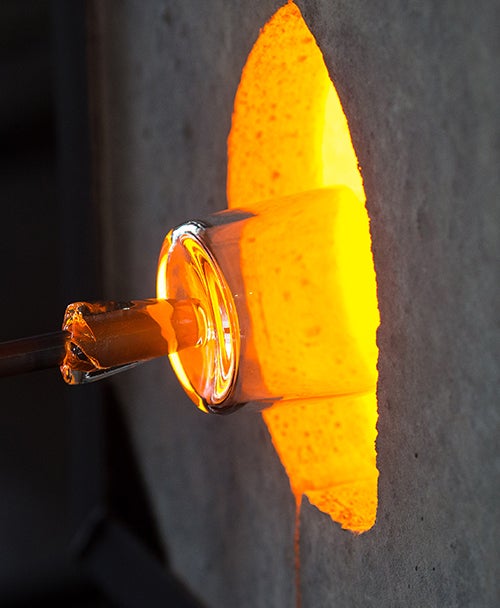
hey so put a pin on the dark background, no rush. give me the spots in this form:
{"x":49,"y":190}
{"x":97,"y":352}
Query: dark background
{"x":34,"y":526}
{"x":47,"y":258}
{"x":75,"y":526}
{"x":53,"y":455}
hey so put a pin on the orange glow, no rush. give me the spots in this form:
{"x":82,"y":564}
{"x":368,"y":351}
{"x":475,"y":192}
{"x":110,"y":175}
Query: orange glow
{"x":308,"y":340}
{"x":289,"y":131}
{"x":289,"y":135}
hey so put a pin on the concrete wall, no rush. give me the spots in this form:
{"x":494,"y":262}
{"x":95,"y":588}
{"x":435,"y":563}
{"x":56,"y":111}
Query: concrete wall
{"x":420,"y":85}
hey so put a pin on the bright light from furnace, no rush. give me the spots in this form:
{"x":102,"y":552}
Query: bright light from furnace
{"x":290,"y":135}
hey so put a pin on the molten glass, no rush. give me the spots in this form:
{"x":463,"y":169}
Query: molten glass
{"x":290,"y":296}
{"x":106,"y":337}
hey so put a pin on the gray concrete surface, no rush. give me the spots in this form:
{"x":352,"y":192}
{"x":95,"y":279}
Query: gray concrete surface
{"x":420,"y":85}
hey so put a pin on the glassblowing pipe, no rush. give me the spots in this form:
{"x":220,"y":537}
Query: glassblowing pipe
{"x":99,"y":339}
{"x":33,"y":353}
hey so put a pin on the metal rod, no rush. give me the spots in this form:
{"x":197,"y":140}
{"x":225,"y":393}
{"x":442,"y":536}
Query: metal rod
{"x":33,"y":353}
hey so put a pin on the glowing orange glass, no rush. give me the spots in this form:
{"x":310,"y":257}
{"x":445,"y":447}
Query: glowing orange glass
{"x":281,"y":288}
{"x":289,"y":135}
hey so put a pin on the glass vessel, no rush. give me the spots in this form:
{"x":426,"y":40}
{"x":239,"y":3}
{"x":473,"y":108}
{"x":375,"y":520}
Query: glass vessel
{"x":288,"y":295}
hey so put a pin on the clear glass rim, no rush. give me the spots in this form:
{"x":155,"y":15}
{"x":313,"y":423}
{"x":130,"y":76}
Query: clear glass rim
{"x":220,"y":346}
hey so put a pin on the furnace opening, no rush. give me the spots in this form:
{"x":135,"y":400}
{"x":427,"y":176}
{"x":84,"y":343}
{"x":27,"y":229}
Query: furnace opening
{"x":290,"y":135}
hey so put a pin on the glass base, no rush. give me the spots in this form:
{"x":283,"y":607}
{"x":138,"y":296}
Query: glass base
{"x":187,"y":268}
